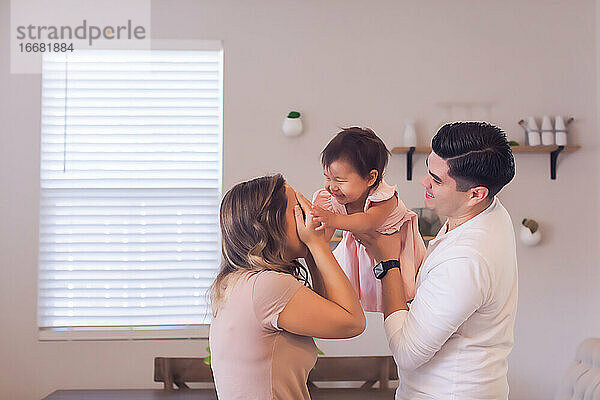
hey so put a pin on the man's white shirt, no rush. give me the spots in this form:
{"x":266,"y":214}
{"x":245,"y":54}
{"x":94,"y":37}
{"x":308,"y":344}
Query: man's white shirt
{"x":454,"y":340}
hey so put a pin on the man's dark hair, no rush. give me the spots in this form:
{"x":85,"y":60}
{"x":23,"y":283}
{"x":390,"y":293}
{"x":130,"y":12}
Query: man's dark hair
{"x":361,"y":148}
{"x":477,"y":153}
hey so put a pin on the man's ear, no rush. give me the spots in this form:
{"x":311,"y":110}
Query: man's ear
{"x":478,"y":194}
{"x":372,"y":177}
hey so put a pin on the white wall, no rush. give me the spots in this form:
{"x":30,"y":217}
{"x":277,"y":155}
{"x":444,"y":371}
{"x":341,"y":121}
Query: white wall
{"x":341,"y":63}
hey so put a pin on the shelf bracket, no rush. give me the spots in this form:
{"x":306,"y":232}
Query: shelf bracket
{"x":553,"y":158}
{"x":409,"y":163}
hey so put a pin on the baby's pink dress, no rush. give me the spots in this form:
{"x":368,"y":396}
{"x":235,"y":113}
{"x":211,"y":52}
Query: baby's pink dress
{"x":356,"y":262}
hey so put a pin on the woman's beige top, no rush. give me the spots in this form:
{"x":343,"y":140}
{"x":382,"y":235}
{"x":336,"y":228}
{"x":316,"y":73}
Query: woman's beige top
{"x":251,"y":357}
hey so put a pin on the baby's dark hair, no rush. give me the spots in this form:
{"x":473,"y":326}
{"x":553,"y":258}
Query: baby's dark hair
{"x":361,"y":148}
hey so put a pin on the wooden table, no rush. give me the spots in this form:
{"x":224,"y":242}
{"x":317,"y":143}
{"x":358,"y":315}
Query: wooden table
{"x":205,"y":394}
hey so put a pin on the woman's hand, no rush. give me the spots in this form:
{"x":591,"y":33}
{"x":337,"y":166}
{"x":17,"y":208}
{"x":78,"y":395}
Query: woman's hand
{"x":306,"y":226}
{"x":333,"y":310}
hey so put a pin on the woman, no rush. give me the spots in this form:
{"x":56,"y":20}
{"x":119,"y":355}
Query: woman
{"x":264,"y":315}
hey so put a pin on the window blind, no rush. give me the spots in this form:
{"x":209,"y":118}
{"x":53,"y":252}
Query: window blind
{"x":130,"y":187}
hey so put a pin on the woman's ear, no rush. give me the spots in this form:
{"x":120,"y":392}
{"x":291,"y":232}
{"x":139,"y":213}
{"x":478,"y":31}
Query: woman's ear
{"x":372,"y":177}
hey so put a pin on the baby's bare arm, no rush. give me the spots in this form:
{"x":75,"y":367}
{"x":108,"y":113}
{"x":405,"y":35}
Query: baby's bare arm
{"x":367,"y":221}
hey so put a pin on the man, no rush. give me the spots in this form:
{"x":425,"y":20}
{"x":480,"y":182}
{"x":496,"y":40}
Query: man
{"x":454,"y":340}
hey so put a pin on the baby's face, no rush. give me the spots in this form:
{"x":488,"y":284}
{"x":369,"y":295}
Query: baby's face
{"x":344,"y":182}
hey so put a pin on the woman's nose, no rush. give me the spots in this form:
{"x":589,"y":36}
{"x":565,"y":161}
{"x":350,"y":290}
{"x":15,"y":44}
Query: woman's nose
{"x":425,"y":181}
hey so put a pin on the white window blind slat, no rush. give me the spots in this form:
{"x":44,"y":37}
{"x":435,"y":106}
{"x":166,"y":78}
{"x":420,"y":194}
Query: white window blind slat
{"x":130,"y":188}
{"x":146,"y":94}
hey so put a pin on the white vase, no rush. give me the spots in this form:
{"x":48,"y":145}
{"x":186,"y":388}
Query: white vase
{"x":292,"y":126}
{"x":528,"y":238}
{"x":410,"y":134}
{"x":547,"y":131}
{"x":561,"y":131}
{"x":533,"y":132}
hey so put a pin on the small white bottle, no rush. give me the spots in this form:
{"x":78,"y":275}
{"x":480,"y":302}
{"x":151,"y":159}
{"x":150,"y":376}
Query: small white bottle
{"x":561,"y":131}
{"x":533,"y":132}
{"x":547,"y":131}
{"x":410,"y":134}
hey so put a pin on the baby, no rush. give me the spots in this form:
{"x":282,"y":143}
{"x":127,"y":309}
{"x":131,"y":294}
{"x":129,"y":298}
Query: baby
{"x":357,"y":199}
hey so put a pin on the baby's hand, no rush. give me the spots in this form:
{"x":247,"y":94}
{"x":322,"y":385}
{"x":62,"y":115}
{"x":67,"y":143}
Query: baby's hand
{"x":325,"y":217}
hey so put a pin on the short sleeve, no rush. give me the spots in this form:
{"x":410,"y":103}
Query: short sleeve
{"x":322,"y":198}
{"x":325,"y":200}
{"x":383,"y":192}
{"x":270,"y":294}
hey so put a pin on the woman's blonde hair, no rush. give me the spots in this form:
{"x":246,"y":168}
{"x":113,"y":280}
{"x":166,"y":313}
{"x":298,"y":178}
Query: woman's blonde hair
{"x":253,"y":231}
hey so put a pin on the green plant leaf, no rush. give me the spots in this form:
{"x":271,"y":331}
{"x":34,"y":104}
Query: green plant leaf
{"x":206,"y":360}
{"x":531,"y":224}
{"x":294,"y":114}
{"x":513,"y":143}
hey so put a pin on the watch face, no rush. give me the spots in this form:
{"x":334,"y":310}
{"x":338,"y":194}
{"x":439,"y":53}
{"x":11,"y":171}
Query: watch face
{"x":378,"y":270}
{"x":381,"y":269}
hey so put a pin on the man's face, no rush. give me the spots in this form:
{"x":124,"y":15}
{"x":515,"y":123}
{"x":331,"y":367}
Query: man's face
{"x":441,"y":195}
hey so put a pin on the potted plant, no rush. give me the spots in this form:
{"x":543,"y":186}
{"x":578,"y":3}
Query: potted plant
{"x":292,"y":124}
{"x":530,"y":232}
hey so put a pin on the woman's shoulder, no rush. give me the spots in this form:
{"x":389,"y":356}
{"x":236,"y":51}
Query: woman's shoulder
{"x":272,"y":280}
{"x":271,"y":291}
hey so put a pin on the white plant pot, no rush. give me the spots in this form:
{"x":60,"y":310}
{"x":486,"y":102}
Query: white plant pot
{"x":292,"y":126}
{"x":528,"y":238}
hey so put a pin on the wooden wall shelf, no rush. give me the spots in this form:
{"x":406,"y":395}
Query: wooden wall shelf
{"x":404,"y":150}
{"x":554,"y":151}
{"x":543,"y":149}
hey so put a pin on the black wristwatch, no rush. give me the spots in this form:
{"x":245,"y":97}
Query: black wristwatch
{"x":383,"y":267}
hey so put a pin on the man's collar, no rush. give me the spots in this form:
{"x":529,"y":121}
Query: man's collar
{"x":444,"y":230}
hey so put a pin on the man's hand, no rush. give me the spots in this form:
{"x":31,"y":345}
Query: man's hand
{"x":382,"y":247}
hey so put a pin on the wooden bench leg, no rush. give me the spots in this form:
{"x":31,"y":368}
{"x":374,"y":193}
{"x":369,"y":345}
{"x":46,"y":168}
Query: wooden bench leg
{"x":168,"y":376}
{"x":384,"y":377}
